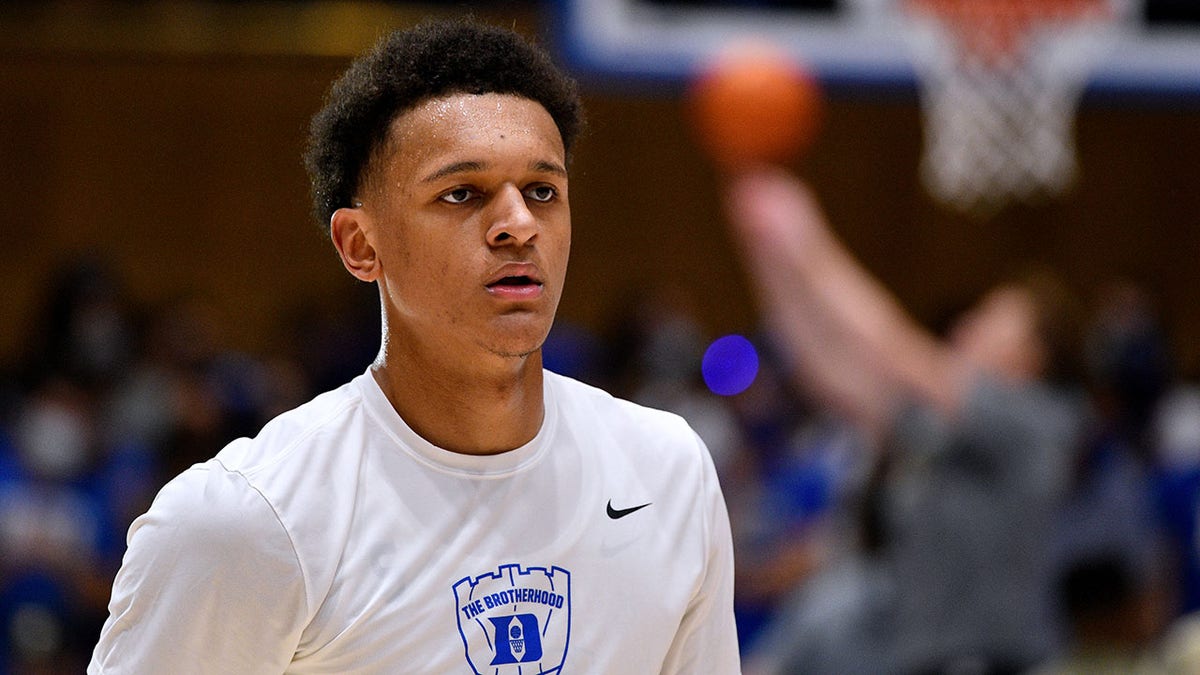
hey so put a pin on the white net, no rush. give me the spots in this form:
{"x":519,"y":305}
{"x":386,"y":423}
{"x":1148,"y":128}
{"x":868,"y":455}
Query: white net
{"x":1000,"y":82}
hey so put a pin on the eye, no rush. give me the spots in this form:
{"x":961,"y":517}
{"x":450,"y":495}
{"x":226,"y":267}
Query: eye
{"x":541,"y":193}
{"x":458,"y":195}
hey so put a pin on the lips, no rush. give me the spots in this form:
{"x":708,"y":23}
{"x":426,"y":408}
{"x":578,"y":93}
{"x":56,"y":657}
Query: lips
{"x":516,"y":281}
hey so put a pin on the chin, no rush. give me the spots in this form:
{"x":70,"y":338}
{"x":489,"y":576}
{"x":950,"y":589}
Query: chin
{"x":518,"y":338}
{"x":513,"y":349}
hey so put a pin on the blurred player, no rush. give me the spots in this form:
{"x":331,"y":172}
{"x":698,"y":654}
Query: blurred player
{"x":977,"y":440}
{"x":455,"y":508}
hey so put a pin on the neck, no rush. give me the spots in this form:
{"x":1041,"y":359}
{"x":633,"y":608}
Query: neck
{"x":480,"y":409}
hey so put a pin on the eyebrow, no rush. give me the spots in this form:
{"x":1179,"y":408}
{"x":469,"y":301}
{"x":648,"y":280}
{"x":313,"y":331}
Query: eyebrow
{"x":451,"y":169}
{"x":542,"y":166}
{"x":539,"y":166}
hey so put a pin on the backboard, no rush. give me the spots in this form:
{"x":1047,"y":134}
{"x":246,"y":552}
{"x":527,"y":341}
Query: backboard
{"x":848,"y":43}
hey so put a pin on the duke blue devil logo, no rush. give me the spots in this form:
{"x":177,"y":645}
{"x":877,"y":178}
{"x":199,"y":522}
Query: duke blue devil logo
{"x":515,"y":621}
{"x":517,"y":639}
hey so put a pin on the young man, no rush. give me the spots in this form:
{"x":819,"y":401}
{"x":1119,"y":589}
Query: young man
{"x":455,"y":509}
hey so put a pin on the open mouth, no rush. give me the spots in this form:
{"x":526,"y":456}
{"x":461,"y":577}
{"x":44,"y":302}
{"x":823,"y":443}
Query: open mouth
{"x":519,"y":288}
{"x":514,"y":282}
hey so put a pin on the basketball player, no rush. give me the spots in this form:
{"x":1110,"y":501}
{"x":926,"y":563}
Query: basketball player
{"x":977,"y":439}
{"x":456,"y":508}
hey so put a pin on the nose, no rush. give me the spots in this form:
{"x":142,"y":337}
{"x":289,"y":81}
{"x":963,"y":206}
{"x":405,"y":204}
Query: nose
{"x":510,"y":220}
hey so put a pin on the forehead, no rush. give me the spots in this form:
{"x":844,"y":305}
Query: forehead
{"x":474,"y":123}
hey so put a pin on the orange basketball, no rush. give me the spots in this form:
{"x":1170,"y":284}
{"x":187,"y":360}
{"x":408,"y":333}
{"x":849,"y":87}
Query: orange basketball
{"x":754,"y":103}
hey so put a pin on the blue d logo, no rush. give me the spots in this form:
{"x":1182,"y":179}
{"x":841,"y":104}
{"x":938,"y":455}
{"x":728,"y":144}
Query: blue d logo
{"x":517,"y":639}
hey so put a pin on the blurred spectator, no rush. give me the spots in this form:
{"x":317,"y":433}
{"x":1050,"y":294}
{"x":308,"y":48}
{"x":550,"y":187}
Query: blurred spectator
{"x":655,"y":346}
{"x":1176,"y":430}
{"x":1114,"y":620}
{"x":112,"y":401}
{"x":51,"y":533}
{"x":1129,"y":365}
{"x":1112,"y":568}
{"x":784,"y":485}
{"x":85,"y":333}
{"x":843,"y":618}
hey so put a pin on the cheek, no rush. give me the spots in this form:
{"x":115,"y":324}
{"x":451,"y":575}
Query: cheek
{"x":418,"y":274}
{"x":562,"y":255}
{"x":563,"y":242}
{"x":566,"y":250}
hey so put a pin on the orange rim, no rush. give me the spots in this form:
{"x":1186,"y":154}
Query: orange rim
{"x":994,"y":30}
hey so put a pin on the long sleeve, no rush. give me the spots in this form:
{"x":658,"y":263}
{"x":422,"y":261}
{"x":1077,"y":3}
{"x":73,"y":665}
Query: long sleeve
{"x":706,"y":641}
{"x":210,"y":583}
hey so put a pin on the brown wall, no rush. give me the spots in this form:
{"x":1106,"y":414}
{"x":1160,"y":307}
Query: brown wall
{"x":185,"y":171}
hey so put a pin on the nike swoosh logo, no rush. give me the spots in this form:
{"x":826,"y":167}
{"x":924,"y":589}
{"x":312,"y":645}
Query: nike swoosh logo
{"x":621,"y":513}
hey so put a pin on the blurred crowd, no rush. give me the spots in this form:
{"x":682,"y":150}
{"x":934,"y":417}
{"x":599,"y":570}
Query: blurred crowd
{"x":112,"y":399}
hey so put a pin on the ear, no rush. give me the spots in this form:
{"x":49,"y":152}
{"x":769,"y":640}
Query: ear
{"x":348,"y":228}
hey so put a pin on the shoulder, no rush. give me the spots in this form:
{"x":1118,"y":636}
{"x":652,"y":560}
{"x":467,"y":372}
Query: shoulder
{"x":210,"y":573}
{"x":632,"y":443}
{"x":209,"y":529}
{"x":1034,"y":409}
{"x":211,"y":513}
{"x":299,"y":430}
{"x":585,"y":406}
{"x":287,"y":493}
{"x":1028,"y":428}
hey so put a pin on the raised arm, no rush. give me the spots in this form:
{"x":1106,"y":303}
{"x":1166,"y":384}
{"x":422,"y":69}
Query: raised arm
{"x":851,"y":344}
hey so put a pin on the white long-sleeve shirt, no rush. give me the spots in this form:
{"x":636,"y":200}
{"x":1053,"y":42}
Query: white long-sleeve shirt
{"x":339,"y":541}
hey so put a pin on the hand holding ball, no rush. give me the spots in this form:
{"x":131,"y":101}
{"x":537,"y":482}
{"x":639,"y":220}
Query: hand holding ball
{"x":754,"y":104}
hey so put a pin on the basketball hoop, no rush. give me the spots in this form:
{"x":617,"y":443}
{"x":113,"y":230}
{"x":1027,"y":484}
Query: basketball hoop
{"x":999,"y":82}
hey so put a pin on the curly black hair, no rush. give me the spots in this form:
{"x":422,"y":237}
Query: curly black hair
{"x":409,"y":67}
